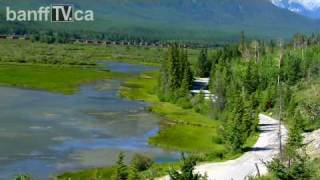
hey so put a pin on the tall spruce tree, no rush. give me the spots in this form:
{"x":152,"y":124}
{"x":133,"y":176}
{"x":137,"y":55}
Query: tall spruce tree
{"x":203,"y":65}
{"x":235,"y":133}
{"x":121,"y":169}
{"x":251,"y":81}
{"x":176,"y":76}
{"x":187,"y":78}
{"x":174,"y":68}
{"x":295,"y":139}
{"x":218,"y":85}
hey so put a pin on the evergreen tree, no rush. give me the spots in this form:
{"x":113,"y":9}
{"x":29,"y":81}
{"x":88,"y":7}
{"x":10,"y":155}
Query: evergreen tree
{"x":187,"y":170}
{"x":242,"y":44}
{"x":292,"y":70}
{"x":267,"y":98}
{"x":187,"y":78}
{"x":218,"y":85}
{"x":235,"y":128}
{"x":176,"y":76}
{"x":174,"y":68}
{"x":295,"y":139}
{"x":185,"y":85}
{"x":133,"y":173}
{"x":163,"y":81}
{"x":251,"y":81}
{"x":250,"y":120}
{"x":121,"y":169}
{"x":203,"y":66}
{"x":272,"y":46}
{"x":242,"y":122}
{"x":296,"y":164}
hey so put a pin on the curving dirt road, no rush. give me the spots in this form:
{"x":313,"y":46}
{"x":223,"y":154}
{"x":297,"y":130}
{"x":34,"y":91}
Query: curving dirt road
{"x":265,"y":149}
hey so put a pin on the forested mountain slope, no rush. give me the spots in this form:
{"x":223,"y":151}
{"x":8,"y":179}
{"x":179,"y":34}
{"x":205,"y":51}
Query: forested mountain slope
{"x":210,"y":20}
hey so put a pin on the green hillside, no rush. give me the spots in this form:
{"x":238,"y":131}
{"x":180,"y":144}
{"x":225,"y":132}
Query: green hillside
{"x":209,"y":20}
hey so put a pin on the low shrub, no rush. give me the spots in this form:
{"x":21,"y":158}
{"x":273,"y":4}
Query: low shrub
{"x":141,"y":163}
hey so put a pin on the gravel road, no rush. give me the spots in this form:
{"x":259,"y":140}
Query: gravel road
{"x":264,"y":150}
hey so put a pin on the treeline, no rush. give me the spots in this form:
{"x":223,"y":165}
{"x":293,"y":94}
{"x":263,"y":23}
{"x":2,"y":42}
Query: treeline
{"x":68,"y":36}
{"x":139,"y":164}
{"x":176,"y":77}
{"x":235,"y":83}
{"x":244,"y":78}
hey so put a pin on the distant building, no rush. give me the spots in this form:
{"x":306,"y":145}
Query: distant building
{"x":201,"y":85}
{"x":13,"y":37}
{"x":89,"y":42}
{"x":24,"y":38}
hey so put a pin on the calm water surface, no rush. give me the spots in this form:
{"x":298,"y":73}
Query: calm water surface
{"x":43,"y":133}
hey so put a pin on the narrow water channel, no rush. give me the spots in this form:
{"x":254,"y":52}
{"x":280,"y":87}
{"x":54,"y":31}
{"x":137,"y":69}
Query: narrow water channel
{"x":43,"y":133}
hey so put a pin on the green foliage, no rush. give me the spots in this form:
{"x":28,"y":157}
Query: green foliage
{"x":60,"y":79}
{"x":198,"y":102}
{"x":23,"y":177}
{"x":254,"y":76}
{"x":251,"y":81}
{"x":189,"y":131}
{"x":141,"y":163}
{"x":133,"y":173}
{"x":187,"y":170}
{"x":241,"y":125}
{"x":306,"y":102}
{"x":243,"y":87}
{"x":292,"y":71}
{"x":218,"y":86}
{"x":176,"y":75}
{"x":169,"y":20}
{"x":268,"y":98}
{"x":121,"y":172}
{"x":300,"y":168}
{"x":203,"y":66}
{"x":242,"y":43}
{"x":295,"y":140}
{"x":78,"y":54}
{"x":295,"y":164}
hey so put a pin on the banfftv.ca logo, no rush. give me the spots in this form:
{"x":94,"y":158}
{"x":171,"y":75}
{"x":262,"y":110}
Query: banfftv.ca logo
{"x":53,"y":13}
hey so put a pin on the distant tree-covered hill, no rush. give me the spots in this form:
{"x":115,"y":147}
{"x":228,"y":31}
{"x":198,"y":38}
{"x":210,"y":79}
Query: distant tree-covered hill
{"x":192,"y":20}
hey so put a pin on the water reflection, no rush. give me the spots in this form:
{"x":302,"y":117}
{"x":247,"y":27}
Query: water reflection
{"x":43,"y":133}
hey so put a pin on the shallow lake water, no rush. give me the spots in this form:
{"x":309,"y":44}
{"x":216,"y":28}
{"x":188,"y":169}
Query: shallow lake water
{"x":43,"y":133}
